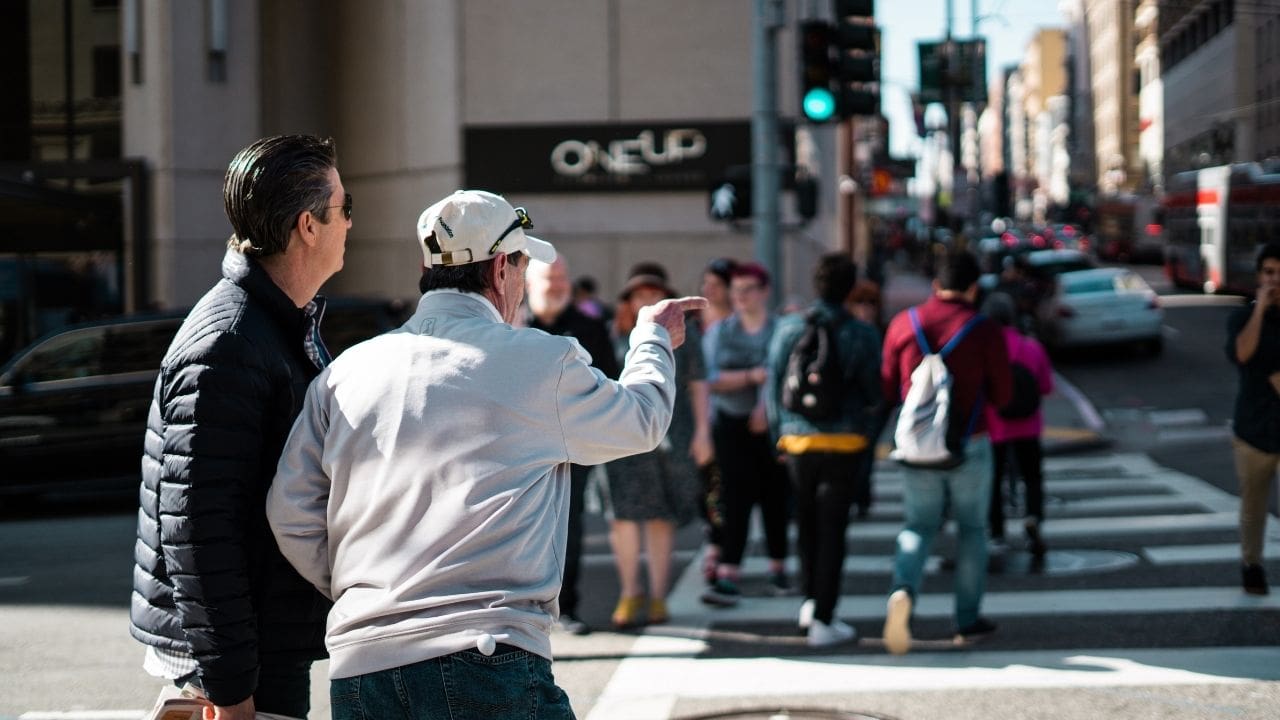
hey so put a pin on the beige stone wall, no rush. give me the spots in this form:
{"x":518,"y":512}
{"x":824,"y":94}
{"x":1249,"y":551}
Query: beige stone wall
{"x":188,"y":128}
{"x":395,"y":82}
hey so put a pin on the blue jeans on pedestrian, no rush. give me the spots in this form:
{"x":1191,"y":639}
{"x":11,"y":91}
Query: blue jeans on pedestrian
{"x":926,"y":495}
{"x":511,"y":683}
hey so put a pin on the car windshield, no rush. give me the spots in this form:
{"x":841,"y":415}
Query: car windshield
{"x":1082,"y":283}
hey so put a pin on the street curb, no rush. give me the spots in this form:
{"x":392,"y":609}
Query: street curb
{"x":1064,"y":440}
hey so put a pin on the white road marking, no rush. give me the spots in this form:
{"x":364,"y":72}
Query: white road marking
{"x":644,"y":688}
{"x":1197,"y":554}
{"x":1207,"y":433}
{"x":85,"y":715}
{"x":1122,"y":601}
{"x":1188,"y":416}
{"x":662,"y":670}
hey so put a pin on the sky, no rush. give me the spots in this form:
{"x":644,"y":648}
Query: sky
{"x":1008,"y":26}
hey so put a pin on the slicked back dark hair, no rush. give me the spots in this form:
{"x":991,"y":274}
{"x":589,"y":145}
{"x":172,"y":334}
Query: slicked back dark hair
{"x":472,"y":277}
{"x":270,"y":183}
{"x":834,"y":277}
{"x":957,"y":270}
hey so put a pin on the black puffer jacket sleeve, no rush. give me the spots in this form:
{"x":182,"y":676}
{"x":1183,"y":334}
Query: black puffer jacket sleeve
{"x":212,"y":411}
{"x":209,"y":580}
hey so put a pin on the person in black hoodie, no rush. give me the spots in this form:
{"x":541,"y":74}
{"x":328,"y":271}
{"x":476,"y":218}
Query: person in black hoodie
{"x":550,"y":308}
{"x":217,"y":605}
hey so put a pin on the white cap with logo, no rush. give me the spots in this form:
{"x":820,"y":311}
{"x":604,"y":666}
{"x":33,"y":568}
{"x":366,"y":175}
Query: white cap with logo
{"x":472,"y":226}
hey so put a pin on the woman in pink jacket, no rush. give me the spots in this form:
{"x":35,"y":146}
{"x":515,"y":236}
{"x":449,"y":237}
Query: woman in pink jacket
{"x":1015,"y":429}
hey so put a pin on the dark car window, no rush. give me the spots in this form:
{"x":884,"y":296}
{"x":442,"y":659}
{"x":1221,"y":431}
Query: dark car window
{"x":137,"y":347}
{"x":74,"y":354}
{"x":1105,"y":283}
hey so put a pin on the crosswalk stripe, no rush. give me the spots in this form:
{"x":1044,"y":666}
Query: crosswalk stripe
{"x":85,"y":715}
{"x":641,"y":686}
{"x":1077,"y":527}
{"x":1121,"y":601}
{"x":1138,"y":498}
{"x":1208,"y":553}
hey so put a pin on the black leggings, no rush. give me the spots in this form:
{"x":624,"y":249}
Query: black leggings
{"x":824,"y":486}
{"x":1027,"y":453}
{"x":749,"y":475}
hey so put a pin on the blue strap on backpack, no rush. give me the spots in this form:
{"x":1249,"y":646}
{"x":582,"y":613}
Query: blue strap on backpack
{"x":947,"y":347}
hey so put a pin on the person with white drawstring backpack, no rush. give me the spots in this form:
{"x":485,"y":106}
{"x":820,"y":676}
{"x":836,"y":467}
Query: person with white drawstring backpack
{"x":943,"y":362}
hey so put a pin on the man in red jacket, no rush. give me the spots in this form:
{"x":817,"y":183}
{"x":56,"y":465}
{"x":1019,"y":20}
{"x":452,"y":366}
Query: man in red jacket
{"x":979,"y":368}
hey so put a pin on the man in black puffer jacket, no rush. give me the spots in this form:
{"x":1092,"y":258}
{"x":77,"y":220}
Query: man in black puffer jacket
{"x":217,"y":605}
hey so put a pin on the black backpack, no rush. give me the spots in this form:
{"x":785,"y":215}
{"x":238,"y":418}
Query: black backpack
{"x":814,"y":381}
{"x":1026,"y":394}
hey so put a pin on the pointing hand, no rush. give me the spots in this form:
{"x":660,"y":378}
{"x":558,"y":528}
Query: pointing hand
{"x":670,"y":315}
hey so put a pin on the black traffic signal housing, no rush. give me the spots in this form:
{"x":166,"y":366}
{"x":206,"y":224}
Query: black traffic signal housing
{"x":818,"y":88}
{"x":806,"y":196}
{"x":857,"y":58}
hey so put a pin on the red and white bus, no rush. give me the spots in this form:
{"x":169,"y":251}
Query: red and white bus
{"x":1214,"y":221}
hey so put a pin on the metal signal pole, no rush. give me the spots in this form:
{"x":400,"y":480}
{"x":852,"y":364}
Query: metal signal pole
{"x":765,"y":176}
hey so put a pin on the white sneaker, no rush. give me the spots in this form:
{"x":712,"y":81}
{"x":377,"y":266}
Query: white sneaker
{"x":805,"y":620}
{"x":822,"y":634}
{"x":897,"y":623}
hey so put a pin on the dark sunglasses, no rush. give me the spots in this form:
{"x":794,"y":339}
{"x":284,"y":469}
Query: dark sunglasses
{"x":346,"y":206}
{"x":522,"y":221}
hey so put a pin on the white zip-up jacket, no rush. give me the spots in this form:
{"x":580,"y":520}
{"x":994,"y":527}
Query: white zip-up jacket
{"x":425,"y":486}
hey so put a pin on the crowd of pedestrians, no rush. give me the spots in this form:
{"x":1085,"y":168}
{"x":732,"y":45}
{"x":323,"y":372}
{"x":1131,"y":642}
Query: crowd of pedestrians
{"x":425,"y":491}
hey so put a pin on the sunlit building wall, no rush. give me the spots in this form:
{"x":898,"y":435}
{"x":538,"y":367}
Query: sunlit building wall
{"x":406,"y":88}
{"x":1115,"y":98}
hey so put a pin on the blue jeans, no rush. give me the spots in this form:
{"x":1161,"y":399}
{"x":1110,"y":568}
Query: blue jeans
{"x":511,"y":683}
{"x":926,"y":496}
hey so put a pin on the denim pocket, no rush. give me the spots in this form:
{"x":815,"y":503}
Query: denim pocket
{"x":494,"y":687}
{"x":344,"y":699}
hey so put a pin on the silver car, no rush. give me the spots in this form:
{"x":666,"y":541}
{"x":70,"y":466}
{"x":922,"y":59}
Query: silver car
{"x":1101,"y":306}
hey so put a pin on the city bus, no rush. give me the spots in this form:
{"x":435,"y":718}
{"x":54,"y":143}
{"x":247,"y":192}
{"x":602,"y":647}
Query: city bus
{"x":1214,"y":220}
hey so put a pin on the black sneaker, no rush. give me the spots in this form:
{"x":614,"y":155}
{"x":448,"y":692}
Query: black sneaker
{"x":978,"y":630}
{"x":778,"y":584}
{"x":724,"y":593}
{"x":1035,"y":543}
{"x":572,"y":624}
{"x":1255,"y":580}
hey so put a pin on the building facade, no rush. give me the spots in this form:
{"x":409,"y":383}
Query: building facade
{"x":1220,"y":89}
{"x":610,"y":121}
{"x":1150,"y":96}
{"x":1083,"y":174}
{"x":1115,"y":95}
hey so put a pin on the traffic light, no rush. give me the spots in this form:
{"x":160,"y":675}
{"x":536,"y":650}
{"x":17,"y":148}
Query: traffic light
{"x":806,"y":193}
{"x":730,"y":196}
{"x":857,"y":58}
{"x":817,"y":72}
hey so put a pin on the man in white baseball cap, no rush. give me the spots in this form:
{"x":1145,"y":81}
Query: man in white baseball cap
{"x":474,"y":225}
{"x":425,"y":486}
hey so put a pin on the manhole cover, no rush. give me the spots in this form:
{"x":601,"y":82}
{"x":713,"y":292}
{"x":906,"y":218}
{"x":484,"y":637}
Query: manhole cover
{"x":1070,"y":562}
{"x":788,"y":714}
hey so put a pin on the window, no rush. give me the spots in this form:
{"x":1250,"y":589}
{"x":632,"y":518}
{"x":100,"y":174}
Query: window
{"x":106,"y":71}
{"x":138,"y":347}
{"x":75,"y":354}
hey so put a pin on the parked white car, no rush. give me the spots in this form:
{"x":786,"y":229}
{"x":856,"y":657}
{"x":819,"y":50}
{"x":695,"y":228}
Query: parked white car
{"x":1101,"y":306}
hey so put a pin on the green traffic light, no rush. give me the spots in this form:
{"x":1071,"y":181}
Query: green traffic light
{"x":819,"y":104}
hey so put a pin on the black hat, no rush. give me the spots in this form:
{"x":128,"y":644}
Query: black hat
{"x":647,"y":274}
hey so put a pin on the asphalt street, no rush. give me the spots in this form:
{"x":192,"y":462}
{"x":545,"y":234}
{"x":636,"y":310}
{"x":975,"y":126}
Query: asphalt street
{"x":1136,"y":614}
